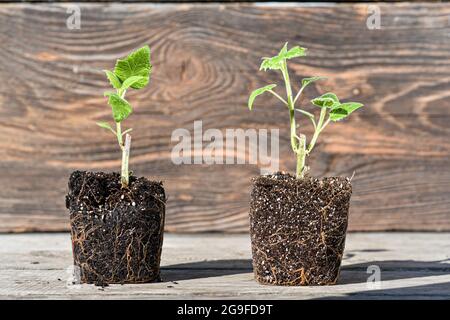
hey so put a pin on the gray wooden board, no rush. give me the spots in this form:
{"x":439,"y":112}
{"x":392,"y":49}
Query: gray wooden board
{"x":217,"y":266}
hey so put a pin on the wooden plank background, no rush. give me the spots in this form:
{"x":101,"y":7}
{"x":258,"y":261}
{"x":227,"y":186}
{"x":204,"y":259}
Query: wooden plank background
{"x":205,"y":64}
{"x":216,"y":1}
{"x":213,"y":1}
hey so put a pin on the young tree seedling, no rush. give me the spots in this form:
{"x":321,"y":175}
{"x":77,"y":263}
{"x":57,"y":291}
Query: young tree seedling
{"x":331,"y":109}
{"x":130,"y":72}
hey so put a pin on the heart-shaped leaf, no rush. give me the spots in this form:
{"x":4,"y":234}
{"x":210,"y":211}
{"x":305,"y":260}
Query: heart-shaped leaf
{"x":136,"y":63}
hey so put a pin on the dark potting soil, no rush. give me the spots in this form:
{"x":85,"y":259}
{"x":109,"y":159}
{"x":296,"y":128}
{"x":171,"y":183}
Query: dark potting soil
{"x":117,"y":233}
{"x":298,"y":228}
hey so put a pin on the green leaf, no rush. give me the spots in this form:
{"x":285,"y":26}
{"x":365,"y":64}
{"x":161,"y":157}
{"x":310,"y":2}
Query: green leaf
{"x":105,"y":125}
{"x":344,"y":110}
{"x":351,"y":106}
{"x":136,"y":63}
{"x":276,"y":62}
{"x":120,"y":107}
{"x":131,"y":81}
{"x":295,"y":52}
{"x":327,"y":100}
{"x":283,"y":50}
{"x":307,"y":81}
{"x":115,"y":82}
{"x":338,"y":114}
{"x":258,"y":92}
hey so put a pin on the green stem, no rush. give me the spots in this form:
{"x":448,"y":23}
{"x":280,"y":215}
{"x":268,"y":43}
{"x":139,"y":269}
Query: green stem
{"x":125,"y":158}
{"x":290,"y":105}
{"x":301,"y":157}
{"x":119,"y":134}
{"x":298,"y":94}
{"x":278,"y":96}
{"x":325,"y":124}
{"x":318,"y":129}
{"x":309,"y":115}
{"x":287,"y":80}
{"x":298,"y":144}
{"x":125,"y":147}
{"x":294,"y":140}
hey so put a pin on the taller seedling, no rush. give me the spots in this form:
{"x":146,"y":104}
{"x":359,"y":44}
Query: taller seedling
{"x":330,"y":107}
{"x":130,"y":72}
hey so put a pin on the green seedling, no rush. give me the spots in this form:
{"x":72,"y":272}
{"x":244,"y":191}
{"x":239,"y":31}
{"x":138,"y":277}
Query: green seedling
{"x":131,"y":72}
{"x":331,"y":109}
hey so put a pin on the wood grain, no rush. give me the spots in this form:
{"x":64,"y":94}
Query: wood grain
{"x":206,"y":59}
{"x":202,"y":1}
{"x":36,"y":266}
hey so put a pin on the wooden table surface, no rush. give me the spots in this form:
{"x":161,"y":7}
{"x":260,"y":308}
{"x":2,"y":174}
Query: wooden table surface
{"x":218,"y":266}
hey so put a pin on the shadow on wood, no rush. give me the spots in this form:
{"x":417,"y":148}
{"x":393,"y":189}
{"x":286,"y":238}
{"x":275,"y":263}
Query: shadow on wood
{"x":393,"y":270}
{"x":205,"y":269}
{"x":428,"y":291}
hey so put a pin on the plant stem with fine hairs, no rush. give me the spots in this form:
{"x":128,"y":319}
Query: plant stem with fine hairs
{"x":125,"y":173}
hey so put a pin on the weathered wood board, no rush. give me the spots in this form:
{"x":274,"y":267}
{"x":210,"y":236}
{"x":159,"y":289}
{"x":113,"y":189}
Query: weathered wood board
{"x":214,"y":1}
{"x":214,"y":266}
{"x":206,"y":59}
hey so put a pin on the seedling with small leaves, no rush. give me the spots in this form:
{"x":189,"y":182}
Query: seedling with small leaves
{"x":131,"y":72}
{"x":331,"y":109}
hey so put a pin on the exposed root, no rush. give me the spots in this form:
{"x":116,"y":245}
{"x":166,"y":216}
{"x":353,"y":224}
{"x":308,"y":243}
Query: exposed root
{"x":298,"y":229}
{"x":116,"y":233}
